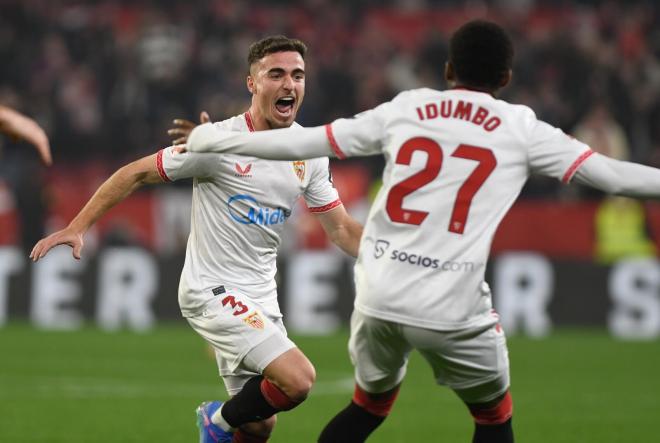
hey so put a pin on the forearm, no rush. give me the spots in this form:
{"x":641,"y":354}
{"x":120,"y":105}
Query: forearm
{"x":10,"y":121}
{"x":5,"y":114}
{"x":619,"y":177}
{"x":115,"y":189}
{"x":21,"y":127}
{"x":347,"y":237}
{"x":280,"y":144}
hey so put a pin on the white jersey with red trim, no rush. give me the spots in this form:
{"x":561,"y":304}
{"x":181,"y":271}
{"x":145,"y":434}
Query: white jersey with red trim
{"x":239,"y":206}
{"x":455,"y":162}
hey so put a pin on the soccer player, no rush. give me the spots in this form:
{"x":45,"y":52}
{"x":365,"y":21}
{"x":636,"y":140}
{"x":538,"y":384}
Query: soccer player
{"x":455,"y":162}
{"x":20,"y":127}
{"x":227,"y":290}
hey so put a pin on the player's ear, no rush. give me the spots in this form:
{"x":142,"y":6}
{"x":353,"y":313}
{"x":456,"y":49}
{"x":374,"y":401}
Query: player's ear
{"x":450,"y":76}
{"x":506,"y":78}
{"x":250,"y":84}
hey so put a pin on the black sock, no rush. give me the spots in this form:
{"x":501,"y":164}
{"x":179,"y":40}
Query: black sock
{"x":502,"y":433}
{"x":351,"y":425}
{"x":248,"y":405}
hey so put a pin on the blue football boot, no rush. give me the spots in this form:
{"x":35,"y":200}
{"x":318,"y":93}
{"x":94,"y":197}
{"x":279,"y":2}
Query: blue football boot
{"x":209,"y":432}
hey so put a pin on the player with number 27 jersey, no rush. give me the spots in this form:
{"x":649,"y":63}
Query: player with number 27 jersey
{"x":457,"y":160}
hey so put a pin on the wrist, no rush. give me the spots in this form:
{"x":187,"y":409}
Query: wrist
{"x":77,"y":227}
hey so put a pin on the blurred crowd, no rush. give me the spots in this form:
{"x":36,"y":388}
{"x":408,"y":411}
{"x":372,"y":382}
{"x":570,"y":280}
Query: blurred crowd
{"x":106,"y":77}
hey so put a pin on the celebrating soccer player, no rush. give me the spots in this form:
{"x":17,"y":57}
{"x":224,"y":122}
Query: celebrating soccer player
{"x":227,"y":291}
{"x":455,"y":162}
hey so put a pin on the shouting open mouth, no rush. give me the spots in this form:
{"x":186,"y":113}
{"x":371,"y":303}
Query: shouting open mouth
{"x":285,"y":106}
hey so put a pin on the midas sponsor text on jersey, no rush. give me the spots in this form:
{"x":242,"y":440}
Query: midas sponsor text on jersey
{"x":246,"y":210}
{"x":461,"y":110}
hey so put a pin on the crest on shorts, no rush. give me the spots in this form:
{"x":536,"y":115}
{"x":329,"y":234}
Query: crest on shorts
{"x":299,"y":168}
{"x":254,"y":320}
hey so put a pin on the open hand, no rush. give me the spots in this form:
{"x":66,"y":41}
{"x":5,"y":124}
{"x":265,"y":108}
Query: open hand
{"x":64,"y":237}
{"x":183,"y":128}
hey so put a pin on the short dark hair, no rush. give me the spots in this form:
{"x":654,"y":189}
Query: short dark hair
{"x":481,"y":53}
{"x":272,"y":44}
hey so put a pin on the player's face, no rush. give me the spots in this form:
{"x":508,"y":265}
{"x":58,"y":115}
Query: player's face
{"x":277,"y":83}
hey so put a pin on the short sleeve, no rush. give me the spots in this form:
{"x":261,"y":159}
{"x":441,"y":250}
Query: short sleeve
{"x":553,"y":153}
{"x":361,"y":135}
{"x":320,"y":194}
{"x":173,"y":164}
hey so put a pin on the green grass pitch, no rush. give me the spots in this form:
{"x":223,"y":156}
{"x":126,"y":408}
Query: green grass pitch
{"x":92,"y":386}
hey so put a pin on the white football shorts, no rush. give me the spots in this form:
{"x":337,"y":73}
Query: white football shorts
{"x":473,"y":362}
{"x":244,"y":338}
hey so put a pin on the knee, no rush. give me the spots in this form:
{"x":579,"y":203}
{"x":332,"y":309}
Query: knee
{"x":293,"y":374}
{"x":299,"y":383}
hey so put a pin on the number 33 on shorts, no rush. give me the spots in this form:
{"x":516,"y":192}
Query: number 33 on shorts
{"x":238,"y":308}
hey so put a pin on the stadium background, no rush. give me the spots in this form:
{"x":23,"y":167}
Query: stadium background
{"x":105,"y":79}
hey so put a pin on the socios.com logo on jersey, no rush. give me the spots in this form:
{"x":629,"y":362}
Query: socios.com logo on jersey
{"x":382,"y":246}
{"x":246,"y":210}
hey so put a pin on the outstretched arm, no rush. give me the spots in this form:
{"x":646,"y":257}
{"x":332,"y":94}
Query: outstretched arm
{"x":342,"y":229}
{"x":362,"y":135}
{"x":20,"y":127}
{"x":619,"y":177}
{"x":115,"y":189}
{"x":278,"y":144}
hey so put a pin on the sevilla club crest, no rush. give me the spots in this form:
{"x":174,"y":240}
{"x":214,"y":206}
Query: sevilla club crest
{"x":299,"y":168}
{"x":254,"y":320}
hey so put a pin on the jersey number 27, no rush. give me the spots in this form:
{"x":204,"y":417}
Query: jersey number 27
{"x":475,"y":180}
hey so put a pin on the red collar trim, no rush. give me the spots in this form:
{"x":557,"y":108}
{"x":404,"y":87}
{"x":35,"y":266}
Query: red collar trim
{"x":248,"y":120}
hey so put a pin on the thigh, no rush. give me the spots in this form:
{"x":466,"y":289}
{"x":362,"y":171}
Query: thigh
{"x":473,"y":362}
{"x":243,"y":337}
{"x":254,"y":363}
{"x":379,"y":353}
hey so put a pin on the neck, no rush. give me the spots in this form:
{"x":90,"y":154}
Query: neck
{"x":259,"y":122}
{"x":456,"y":85}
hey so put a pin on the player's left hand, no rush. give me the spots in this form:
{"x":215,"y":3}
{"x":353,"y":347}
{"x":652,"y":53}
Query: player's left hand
{"x":183,"y":128}
{"x":66,"y":236}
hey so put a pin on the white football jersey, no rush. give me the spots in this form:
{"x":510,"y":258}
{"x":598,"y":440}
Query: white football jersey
{"x":239,"y":206}
{"x":455,"y":162}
